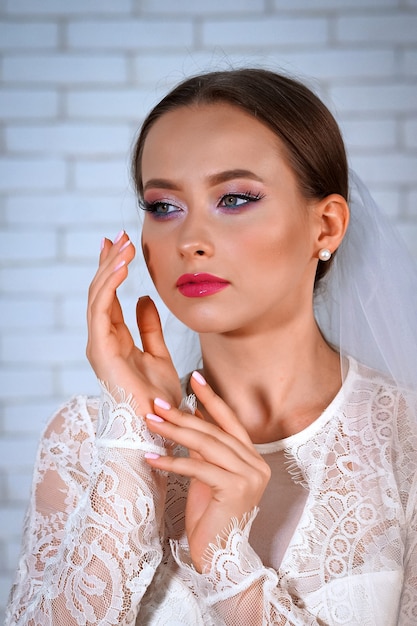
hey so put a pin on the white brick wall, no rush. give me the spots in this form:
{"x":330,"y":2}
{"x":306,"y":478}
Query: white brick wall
{"x":76,"y":80}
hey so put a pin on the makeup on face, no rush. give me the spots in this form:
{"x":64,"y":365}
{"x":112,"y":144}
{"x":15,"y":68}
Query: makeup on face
{"x":200,"y":285}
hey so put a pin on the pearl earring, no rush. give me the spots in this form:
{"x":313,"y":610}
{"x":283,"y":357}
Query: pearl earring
{"x":324,"y":254}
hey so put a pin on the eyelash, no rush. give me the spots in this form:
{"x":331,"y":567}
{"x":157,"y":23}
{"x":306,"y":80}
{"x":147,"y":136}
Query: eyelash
{"x":249,"y":196}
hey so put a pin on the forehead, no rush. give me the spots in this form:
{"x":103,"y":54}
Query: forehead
{"x":217,"y":129}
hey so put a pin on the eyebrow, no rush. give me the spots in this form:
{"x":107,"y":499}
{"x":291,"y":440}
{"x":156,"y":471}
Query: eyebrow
{"x":214,"y":179}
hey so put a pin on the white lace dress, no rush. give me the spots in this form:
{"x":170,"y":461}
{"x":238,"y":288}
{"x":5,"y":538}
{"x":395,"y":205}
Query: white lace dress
{"x":334,"y":541}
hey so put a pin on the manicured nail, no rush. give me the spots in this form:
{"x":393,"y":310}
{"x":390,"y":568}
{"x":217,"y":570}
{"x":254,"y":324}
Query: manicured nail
{"x":119,"y":236}
{"x":124,"y":246}
{"x":154,"y":418}
{"x":102,"y":243}
{"x":119,"y":265}
{"x":199,"y":378}
{"x":151,"y":455}
{"x":162,"y":404}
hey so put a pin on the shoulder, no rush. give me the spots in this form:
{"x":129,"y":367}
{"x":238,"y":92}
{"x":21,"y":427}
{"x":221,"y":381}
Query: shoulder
{"x":387,"y":412}
{"x":69,"y":432}
{"x":375,"y":389}
{"x":77,"y":414}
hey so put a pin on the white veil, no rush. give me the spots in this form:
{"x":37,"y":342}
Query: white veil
{"x":367,"y":303}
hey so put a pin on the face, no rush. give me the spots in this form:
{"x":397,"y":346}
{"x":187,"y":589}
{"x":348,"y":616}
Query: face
{"x":228,"y":239}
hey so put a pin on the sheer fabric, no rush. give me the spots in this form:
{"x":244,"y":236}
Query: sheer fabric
{"x":104,"y":539}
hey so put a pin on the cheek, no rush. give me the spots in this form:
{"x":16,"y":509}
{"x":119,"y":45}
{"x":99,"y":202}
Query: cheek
{"x":155,"y":258}
{"x":148,"y":256}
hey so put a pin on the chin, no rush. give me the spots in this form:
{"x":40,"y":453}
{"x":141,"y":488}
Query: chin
{"x":201,"y":323}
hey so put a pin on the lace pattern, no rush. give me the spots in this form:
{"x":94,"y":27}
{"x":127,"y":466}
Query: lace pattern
{"x":104,"y":540}
{"x":119,"y":425}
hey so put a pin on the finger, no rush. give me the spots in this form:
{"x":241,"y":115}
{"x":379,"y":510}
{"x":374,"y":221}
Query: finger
{"x":245,"y":485}
{"x":112,"y":272}
{"x":150,"y":329}
{"x":207,"y":473}
{"x":200,"y":436}
{"x":105,"y":248}
{"x":111,"y":255}
{"x":221,"y":413}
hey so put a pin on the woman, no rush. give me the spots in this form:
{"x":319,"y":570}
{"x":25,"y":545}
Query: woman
{"x":289,"y":495}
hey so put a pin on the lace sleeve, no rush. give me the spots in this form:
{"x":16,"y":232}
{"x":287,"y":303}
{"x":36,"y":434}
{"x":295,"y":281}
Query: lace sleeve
{"x":92,"y":539}
{"x":408,"y":611}
{"x":237,"y":588}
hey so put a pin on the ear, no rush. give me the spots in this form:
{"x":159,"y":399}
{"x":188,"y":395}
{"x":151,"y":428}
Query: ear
{"x":332,"y":219}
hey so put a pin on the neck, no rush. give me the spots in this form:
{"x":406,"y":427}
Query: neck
{"x":277,"y":381}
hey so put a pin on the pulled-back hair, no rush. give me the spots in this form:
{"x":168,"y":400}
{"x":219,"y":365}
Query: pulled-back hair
{"x":308,"y":131}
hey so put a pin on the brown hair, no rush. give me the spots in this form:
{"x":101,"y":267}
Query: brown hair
{"x":308,"y":131}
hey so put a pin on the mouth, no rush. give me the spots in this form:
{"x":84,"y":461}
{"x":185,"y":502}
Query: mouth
{"x":200,"y":285}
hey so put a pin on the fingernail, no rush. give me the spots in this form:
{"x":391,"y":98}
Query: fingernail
{"x":119,"y":265}
{"x":162,"y":404}
{"x":151,"y":455}
{"x":119,"y":236}
{"x":128,"y":242}
{"x":199,"y":378}
{"x":102,"y":243}
{"x":154,"y":418}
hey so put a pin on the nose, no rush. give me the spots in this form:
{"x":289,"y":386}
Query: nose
{"x":195,"y":238}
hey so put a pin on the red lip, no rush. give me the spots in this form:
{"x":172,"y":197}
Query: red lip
{"x":200,"y":285}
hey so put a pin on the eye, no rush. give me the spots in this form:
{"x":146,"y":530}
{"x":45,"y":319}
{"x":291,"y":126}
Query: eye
{"x":236,"y":200}
{"x":159,"y":208}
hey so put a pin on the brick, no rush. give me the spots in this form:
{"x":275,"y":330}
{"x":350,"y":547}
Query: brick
{"x":12,"y":520}
{"x":387,"y":29}
{"x":60,"y":278}
{"x":65,"y":69}
{"x":28,"y":418}
{"x":78,"y":380}
{"x":312,"y":64}
{"x":26,"y":35}
{"x":219,"y":7}
{"x":394,"y":168}
{"x":37,"y":173}
{"x":243,"y":33}
{"x":73,"y":312}
{"x":410,"y":62}
{"x":26,"y":312}
{"x":164,"y":70}
{"x":338,"y":64}
{"x":25,"y":245}
{"x":44,"y":348}
{"x":13,"y":551}
{"x":408,"y":231}
{"x":101,"y":175}
{"x":319,"y":5}
{"x":131,"y":34}
{"x":412,"y":203}
{"x":368,"y":134}
{"x":82,"y":244}
{"x":111,"y":212}
{"x":6,"y":581}
{"x":18,"y":485}
{"x":69,"y":138}
{"x":375,"y":98}
{"x":18,"y":452}
{"x":25,"y":382}
{"x":389,"y":201}
{"x":14,"y":103}
{"x":56,"y":7}
{"x":410,"y":133}
{"x":125,"y":104}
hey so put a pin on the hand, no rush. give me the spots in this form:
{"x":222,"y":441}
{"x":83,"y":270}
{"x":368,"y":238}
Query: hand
{"x":111,"y":349}
{"x":228,"y":476}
